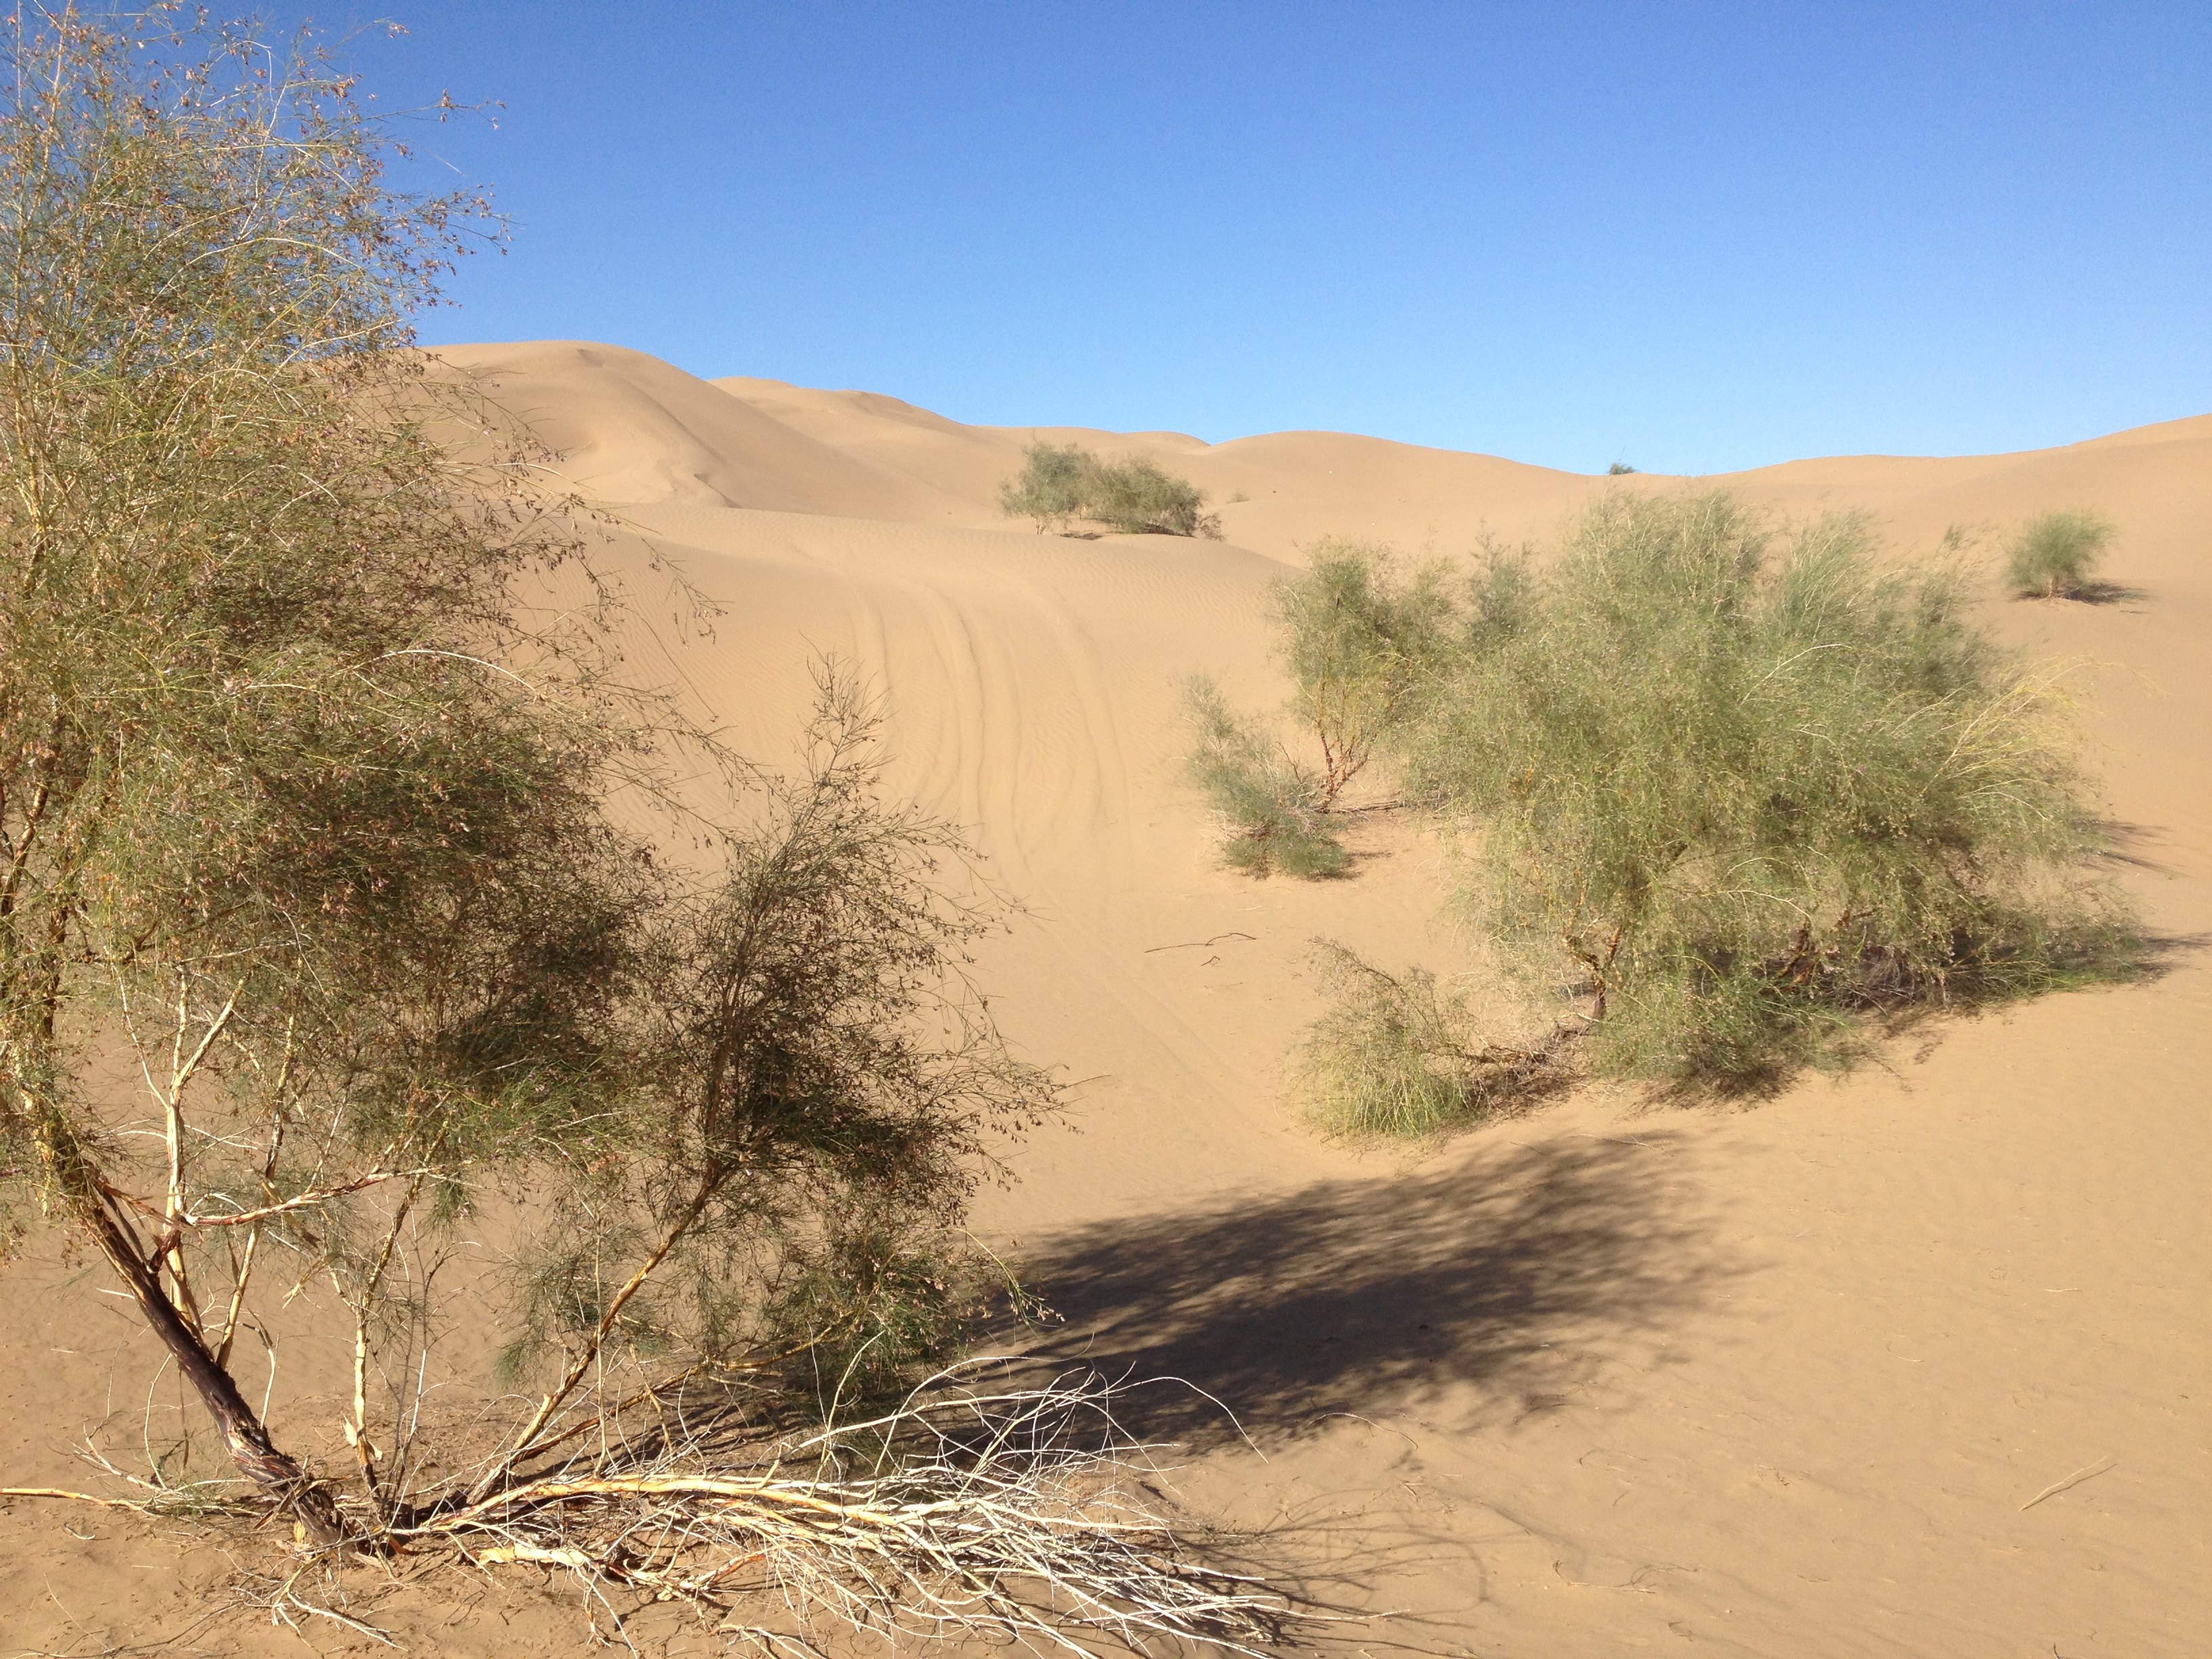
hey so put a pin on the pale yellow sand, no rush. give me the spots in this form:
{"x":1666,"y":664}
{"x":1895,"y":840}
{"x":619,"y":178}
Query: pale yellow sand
{"x":1774,"y":1381}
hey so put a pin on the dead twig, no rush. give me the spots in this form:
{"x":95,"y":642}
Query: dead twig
{"x":2089,"y":1471}
{"x":1195,"y":944}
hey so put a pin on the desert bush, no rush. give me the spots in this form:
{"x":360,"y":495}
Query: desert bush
{"x":1397,"y":1055}
{"x":1752,"y":788}
{"x":1052,"y":486}
{"x":1501,"y":605}
{"x":2055,"y":553}
{"x":1061,"y":482}
{"x":1271,"y":804}
{"x":1360,"y":642}
{"x":1137,"y":497}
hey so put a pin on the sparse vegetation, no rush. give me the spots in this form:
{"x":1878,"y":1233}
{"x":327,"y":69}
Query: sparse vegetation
{"x":1051,"y":486}
{"x":1753,"y":788}
{"x":1754,"y":792}
{"x":1619,"y":470}
{"x":1059,"y":482}
{"x":1271,"y":804}
{"x":2055,"y":553}
{"x":1403,"y":1054}
{"x":1360,"y":642}
{"x":1138,"y":499}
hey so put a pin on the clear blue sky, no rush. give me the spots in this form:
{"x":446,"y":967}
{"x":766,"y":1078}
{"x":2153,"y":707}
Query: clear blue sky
{"x":1694,"y":237}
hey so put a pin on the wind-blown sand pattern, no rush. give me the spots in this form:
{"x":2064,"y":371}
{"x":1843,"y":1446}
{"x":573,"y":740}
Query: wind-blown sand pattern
{"x":1788,"y":1379}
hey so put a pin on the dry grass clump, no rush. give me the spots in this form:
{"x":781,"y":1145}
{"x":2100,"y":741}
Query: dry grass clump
{"x":2055,"y":553}
{"x":961,"y":1512}
{"x":1403,"y":1055}
{"x":1754,"y":787}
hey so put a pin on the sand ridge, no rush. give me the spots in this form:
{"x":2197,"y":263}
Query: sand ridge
{"x":1773,"y":1382}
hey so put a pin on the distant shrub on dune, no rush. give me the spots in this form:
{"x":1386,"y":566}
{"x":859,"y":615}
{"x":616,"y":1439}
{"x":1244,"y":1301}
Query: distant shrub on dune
{"x":1061,"y":482}
{"x":1753,"y":788}
{"x":1270,"y":805}
{"x":1136,"y":497}
{"x":2055,"y":554}
{"x":1049,"y":487}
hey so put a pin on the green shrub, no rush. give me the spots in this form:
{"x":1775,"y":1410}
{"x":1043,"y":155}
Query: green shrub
{"x":1754,"y":788}
{"x":1271,"y":804}
{"x":1501,"y":599}
{"x":1049,"y":487}
{"x":1401,"y":1056}
{"x":1136,"y":497}
{"x":2055,"y":553}
{"x":1060,"y":481}
{"x":1359,"y":643}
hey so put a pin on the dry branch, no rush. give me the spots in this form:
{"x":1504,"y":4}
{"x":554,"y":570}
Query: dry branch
{"x":1022,"y":1513}
{"x":1018,"y":1512}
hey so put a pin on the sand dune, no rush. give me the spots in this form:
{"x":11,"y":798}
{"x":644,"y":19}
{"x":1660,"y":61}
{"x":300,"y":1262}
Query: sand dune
{"x":1613,"y":1377}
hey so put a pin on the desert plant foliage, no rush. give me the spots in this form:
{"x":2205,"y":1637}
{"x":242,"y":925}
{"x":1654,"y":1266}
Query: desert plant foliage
{"x":1271,"y":806}
{"x":2055,"y":555}
{"x":1138,"y":497}
{"x":1361,"y":642}
{"x":1051,"y":487}
{"x":269,"y":817}
{"x":1059,"y":482}
{"x":1750,"y":786}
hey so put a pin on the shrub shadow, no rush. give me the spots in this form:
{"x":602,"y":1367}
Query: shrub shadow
{"x":2131,"y":844}
{"x":2092,"y":592}
{"x":1493,"y":1290}
{"x":2108,"y":594}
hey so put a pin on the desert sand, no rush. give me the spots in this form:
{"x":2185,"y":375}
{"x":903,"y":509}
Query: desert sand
{"x":1620,"y":1375}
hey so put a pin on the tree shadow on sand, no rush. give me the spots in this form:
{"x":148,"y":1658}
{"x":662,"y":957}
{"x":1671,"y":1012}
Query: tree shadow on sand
{"x":1493,"y":1290}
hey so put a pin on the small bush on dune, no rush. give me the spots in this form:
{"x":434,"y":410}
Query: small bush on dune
{"x":1061,"y":482}
{"x":1754,"y":788}
{"x":1049,"y":487}
{"x":1359,"y":643}
{"x":1136,"y":497}
{"x":1365,"y":647}
{"x":1402,"y":1056}
{"x":2055,"y":553}
{"x":1271,"y":804}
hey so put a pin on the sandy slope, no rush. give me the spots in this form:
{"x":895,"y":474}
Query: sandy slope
{"x":1773,"y":1382}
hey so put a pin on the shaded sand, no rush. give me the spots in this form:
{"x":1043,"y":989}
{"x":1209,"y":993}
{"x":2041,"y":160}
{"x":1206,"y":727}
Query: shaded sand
{"x":1611,"y":1377}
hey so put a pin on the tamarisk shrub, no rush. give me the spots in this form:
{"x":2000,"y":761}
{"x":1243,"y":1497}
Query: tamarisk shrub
{"x":1753,"y":786}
